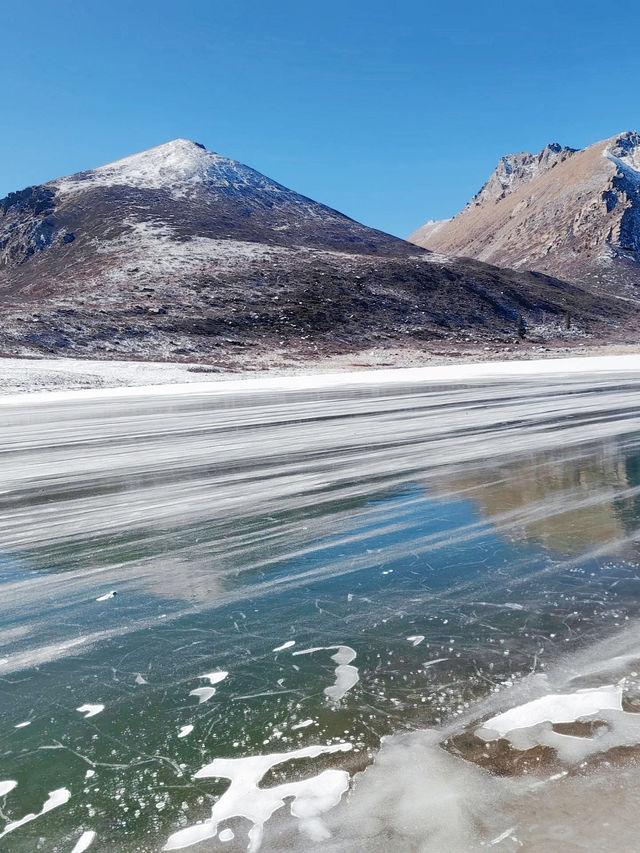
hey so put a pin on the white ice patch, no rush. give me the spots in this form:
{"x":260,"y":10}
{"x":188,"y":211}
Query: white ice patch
{"x":416,"y":639}
{"x":555,"y":708}
{"x":346,"y":675}
{"x":243,"y":798}
{"x":284,"y":646}
{"x":107,"y":596}
{"x":84,"y":842}
{"x":614,"y":727}
{"x":215,"y":677}
{"x":22,"y":725}
{"x":303,"y":725}
{"x":89,"y":774}
{"x":226,"y":835}
{"x":185,"y":730}
{"x":6,"y":786}
{"x":90,"y":710}
{"x":55,"y":799}
{"x":203,"y":693}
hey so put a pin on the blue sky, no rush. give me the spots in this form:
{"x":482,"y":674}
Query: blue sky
{"x":392,"y":113}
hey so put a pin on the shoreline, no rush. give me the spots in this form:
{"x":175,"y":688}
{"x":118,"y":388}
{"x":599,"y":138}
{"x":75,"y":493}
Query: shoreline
{"x":47,"y":379}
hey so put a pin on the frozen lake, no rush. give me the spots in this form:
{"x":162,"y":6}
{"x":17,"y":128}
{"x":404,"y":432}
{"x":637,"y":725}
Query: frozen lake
{"x":220,"y":574}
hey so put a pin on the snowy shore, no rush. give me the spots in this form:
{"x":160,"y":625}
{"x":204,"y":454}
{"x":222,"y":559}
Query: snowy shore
{"x":41,"y":377}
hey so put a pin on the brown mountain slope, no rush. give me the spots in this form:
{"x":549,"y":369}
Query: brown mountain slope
{"x":571,"y":214}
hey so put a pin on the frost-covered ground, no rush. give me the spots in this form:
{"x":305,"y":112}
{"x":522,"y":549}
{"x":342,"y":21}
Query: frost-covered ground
{"x":19,"y":375}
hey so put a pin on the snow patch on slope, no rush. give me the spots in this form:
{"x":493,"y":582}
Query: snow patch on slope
{"x":624,"y":152}
{"x":153,"y":249}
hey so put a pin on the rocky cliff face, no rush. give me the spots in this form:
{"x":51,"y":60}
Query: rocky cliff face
{"x":572,"y":214}
{"x":515,"y":170}
{"x":178,"y":252}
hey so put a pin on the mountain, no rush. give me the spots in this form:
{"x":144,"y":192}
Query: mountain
{"x":574,"y":214}
{"x":178,"y":252}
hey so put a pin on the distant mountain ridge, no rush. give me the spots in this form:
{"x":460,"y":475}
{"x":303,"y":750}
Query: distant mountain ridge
{"x":178,"y":252}
{"x":574,"y":214}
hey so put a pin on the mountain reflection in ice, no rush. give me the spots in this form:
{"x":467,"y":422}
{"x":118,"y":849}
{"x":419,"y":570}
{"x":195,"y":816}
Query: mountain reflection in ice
{"x":359,"y":564}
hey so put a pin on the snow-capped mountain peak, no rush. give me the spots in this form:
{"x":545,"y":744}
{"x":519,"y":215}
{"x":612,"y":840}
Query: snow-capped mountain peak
{"x":176,"y":166}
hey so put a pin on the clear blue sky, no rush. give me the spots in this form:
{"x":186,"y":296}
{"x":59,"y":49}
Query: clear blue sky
{"x":392,"y":113}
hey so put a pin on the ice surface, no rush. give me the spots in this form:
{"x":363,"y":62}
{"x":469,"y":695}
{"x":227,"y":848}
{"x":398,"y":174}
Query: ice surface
{"x":433,"y":662}
{"x":185,"y":730}
{"x":302,"y":725}
{"x":241,"y":517}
